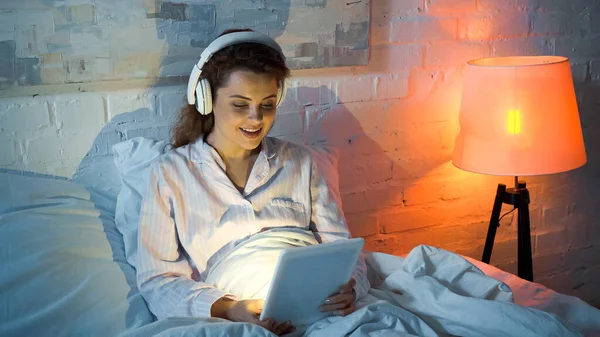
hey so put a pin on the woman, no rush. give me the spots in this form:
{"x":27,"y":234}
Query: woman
{"x":224,"y":182}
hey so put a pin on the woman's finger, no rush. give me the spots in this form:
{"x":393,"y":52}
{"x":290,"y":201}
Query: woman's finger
{"x":283,"y":328}
{"x":342,"y":304}
{"x":290,"y":329}
{"x":268,"y":323}
{"x":334,"y":307}
{"x":345,"y":311}
{"x":338,"y":298}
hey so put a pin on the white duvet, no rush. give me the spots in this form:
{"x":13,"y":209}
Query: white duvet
{"x":63,"y":272}
{"x":431,"y":292}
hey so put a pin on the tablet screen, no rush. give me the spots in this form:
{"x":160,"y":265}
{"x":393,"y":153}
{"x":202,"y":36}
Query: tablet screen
{"x":306,"y":276}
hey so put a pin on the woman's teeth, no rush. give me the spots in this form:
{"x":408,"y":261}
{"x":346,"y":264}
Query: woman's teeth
{"x":251,"y":133}
{"x":250,"y":130}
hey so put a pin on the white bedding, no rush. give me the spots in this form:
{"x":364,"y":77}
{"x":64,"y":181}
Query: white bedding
{"x":431,"y":292}
{"x":62,"y":265}
{"x":63,"y":272}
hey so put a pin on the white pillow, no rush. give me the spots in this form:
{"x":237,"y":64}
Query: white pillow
{"x":62,"y":263}
{"x":133,"y":158}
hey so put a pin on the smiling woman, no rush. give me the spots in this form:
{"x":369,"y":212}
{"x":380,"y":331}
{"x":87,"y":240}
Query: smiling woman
{"x":224,"y":183}
{"x":242,"y":84}
{"x":244,"y":111}
{"x":247,"y":64}
{"x":242,"y":121}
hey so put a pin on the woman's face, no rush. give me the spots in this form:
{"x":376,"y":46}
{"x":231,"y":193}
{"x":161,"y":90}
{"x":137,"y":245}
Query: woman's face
{"x":245,"y":109}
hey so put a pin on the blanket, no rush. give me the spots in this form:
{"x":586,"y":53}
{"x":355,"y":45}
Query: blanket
{"x":431,"y":292}
{"x":434,"y":292}
{"x":247,"y":271}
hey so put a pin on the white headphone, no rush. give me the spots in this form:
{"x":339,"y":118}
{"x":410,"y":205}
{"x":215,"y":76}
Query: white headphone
{"x":199,"y":92}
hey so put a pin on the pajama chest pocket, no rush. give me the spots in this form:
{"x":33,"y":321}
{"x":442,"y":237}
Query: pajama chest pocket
{"x":281,"y":212}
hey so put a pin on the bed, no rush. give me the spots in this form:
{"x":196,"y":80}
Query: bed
{"x":67,"y":252}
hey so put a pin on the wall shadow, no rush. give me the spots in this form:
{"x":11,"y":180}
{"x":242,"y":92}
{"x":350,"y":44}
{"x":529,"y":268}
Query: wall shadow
{"x":185,"y":30}
{"x":374,"y":158}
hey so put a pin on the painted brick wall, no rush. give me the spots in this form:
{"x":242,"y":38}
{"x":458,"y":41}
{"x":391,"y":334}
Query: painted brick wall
{"x":80,"y":41}
{"x":394,"y":122}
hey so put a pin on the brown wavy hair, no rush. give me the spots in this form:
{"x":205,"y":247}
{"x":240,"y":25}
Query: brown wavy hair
{"x":254,"y":57}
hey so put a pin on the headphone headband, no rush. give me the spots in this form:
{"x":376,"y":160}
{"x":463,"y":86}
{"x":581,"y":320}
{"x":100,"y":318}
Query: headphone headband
{"x":221,"y":43}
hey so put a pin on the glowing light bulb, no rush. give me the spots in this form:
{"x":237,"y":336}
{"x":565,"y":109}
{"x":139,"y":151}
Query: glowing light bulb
{"x":513,"y":122}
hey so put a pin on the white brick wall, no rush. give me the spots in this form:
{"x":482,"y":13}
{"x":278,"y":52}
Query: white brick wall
{"x":24,"y":115}
{"x":8,"y":153}
{"x":394,"y":122}
{"x":77,"y":114}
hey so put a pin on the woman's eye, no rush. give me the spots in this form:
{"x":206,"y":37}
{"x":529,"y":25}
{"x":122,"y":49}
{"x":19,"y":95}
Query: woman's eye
{"x":244,"y":106}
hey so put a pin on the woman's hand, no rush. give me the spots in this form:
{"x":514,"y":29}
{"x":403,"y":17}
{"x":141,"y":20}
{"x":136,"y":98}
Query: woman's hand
{"x":342,"y":303}
{"x":248,"y":311}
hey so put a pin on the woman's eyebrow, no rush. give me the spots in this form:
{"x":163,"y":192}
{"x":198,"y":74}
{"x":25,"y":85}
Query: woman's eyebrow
{"x":249,"y":99}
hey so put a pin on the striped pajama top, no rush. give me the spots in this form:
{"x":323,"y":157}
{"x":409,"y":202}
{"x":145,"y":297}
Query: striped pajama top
{"x":193,"y":215}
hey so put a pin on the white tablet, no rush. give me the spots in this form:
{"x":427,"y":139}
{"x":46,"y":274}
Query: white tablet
{"x":306,"y":276}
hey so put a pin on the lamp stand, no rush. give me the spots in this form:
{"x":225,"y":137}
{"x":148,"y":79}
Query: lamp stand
{"x":519,"y":198}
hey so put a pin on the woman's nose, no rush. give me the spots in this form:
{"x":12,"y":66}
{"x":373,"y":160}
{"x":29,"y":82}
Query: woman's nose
{"x":256,"y":113}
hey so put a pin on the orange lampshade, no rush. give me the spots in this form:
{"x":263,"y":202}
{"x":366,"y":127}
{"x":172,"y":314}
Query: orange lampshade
{"x":519,"y":117}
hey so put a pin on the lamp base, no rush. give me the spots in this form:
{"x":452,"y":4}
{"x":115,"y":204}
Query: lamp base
{"x":519,"y":198}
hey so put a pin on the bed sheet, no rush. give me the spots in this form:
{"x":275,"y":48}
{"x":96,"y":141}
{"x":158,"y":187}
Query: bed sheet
{"x":62,"y":265}
{"x":64,"y":273}
{"x":569,"y":309}
{"x":432,"y":293}
{"x":535,"y":295}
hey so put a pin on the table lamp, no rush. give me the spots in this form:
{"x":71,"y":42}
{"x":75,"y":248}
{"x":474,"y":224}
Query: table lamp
{"x":518,"y":117}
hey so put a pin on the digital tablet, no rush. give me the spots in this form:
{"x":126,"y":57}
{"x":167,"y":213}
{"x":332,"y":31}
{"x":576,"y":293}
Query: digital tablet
{"x":306,"y":276}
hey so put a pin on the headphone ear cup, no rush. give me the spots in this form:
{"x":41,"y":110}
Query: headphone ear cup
{"x":208,"y":103}
{"x":281,"y":92}
{"x":203,"y":97}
